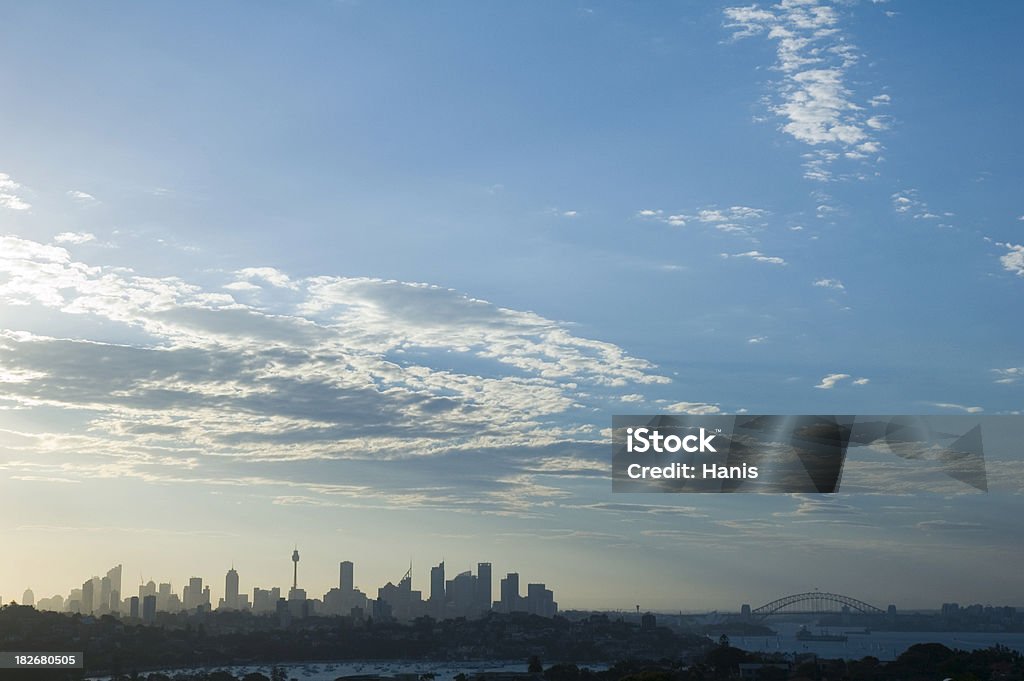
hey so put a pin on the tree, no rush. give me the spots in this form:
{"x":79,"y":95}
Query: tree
{"x":534,"y":665}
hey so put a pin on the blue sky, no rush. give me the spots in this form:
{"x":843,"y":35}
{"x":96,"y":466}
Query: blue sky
{"x":373,"y":277}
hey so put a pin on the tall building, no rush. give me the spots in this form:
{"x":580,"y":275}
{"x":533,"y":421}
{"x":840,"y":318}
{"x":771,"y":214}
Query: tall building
{"x":133,"y":607}
{"x":343,"y":600}
{"x":163,"y":597}
{"x":114,"y":575}
{"x":28,"y":598}
{"x":231,"y":589}
{"x":295,"y":560}
{"x":540,"y":600}
{"x":104,"y":603}
{"x":88,"y":597}
{"x":347,"y":583}
{"x":149,"y":609}
{"x":194,"y":595}
{"x":483,"y":587}
{"x":461,"y":595}
{"x":437,"y":586}
{"x":510,"y":599}
{"x":400,"y":602}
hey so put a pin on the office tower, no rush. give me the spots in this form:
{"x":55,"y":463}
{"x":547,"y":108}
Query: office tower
{"x":114,"y":575}
{"x":483,"y":587}
{"x":460,"y":595}
{"x":28,"y":598}
{"x":147,"y":589}
{"x":437,"y":583}
{"x":205,"y":601}
{"x":510,"y":593}
{"x":149,"y":609}
{"x":347,"y":572}
{"x":163,"y":597}
{"x":88,"y":596}
{"x":193,"y":597}
{"x":231,"y":589}
{"x":540,"y":600}
{"x":104,"y":604}
{"x":133,"y":608}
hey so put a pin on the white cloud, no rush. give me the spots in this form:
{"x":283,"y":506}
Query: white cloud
{"x":82,"y":197}
{"x":74,"y":237}
{"x":960,"y":407}
{"x":342,"y":370}
{"x":1014,"y":260}
{"x":569,"y":214}
{"x":270,"y":275}
{"x":758,"y":256}
{"x":9,"y":197}
{"x":1009,"y":375}
{"x":830,"y":381}
{"x":830,"y":283}
{"x":755,"y":340}
{"x":633,"y":397}
{"x":693,"y":408}
{"x":816,"y":105}
{"x":741,"y":219}
{"x":861,"y":381}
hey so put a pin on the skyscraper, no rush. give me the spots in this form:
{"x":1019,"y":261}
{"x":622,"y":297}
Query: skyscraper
{"x":231,"y":589}
{"x":88,"y":597}
{"x":104,"y":604}
{"x":347,"y":572}
{"x":194,"y":595}
{"x":510,"y":593}
{"x":114,"y":575}
{"x":28,"y":598}
{"x":437,"y":583}
{"x":483,"y":587}
{"x":149,"y":609}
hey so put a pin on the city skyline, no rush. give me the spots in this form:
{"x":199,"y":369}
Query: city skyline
{"x":465,"y":595}
{"x":373,"y":279}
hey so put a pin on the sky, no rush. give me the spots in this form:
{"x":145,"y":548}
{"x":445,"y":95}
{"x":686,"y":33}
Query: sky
{"x":371,"y":279}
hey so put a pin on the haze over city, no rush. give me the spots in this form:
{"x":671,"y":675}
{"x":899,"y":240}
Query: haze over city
{"x":371,"y":279}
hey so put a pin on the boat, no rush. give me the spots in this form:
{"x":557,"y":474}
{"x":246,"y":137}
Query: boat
{"x":804,"y":634}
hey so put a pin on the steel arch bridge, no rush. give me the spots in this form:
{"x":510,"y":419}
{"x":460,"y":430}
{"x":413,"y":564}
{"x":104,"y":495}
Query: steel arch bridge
{"x":815,"y":603}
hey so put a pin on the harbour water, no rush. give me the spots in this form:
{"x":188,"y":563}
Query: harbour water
{"x":328,"y":671}
{"x":885,"y":645}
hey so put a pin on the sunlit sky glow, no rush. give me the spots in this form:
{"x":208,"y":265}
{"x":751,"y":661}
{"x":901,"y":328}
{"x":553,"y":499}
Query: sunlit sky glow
{"x":372,"y":278}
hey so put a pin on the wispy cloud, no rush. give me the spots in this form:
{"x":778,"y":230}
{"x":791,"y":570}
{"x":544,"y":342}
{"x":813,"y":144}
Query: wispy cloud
{"x":1009,"y":375}
{"x":757,"y":256}
{"x":81,"y":197}
{"x":908,"y":202}
{"x":74,"y":238}
{"x":10,"y":197}
{"x":830,"y":283}
{"x":742,"y":219}
{"x":814,"y":100}
{"x":341,"y":368}
{"x":693,"y":408}
{"x":958,"y":407}
{"x":831,"y":380}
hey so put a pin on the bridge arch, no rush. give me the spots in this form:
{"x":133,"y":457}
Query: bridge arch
{"x":815,"y":602}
